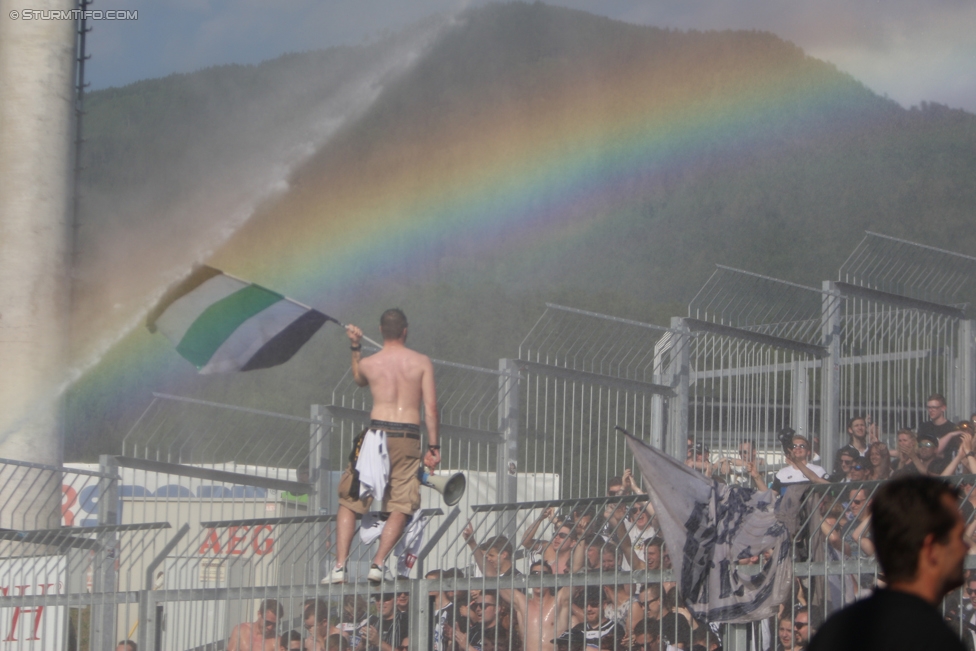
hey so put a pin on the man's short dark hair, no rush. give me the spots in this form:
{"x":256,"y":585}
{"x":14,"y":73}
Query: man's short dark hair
{"x":500,"y":544}
{"x":656,"y":541}
{"x":593,"y":596}
{"x":903,"y":513}
{"x":850,"y":423}
{"x":271,"y":606}
{"x":393,"y":323}
{"x":581,"y":512}
{"x":129,"y":644}
{"x":544,"y":565}
{"x":653,"y":588}
{"x":647,"y":626}
{"x":336,"y":642}
{"x":288,"y":638}
{"x":317,"y":607}
{"x":938,"y":397}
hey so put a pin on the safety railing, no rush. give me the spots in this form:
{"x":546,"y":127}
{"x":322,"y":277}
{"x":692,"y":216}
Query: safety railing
{"x":81,"y":588}
{"x":74,"y":587}
{"x":755,"y":354}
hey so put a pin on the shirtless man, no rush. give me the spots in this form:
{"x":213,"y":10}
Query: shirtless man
{"x":543,"y":616}
{"x":558,"y":552}
{"x":259,"y":635}
{"x":400,"y":380}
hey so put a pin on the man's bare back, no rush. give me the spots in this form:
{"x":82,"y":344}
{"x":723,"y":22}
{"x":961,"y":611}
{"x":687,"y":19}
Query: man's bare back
{"x":399,"y":380}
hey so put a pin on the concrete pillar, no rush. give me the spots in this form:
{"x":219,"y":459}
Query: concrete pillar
{"x":37,"y":64}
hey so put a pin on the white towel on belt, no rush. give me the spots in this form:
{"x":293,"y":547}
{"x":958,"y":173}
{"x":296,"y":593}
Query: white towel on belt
{"x":373,"y":465}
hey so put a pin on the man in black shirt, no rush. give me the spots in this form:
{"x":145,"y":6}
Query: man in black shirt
{"x":600,"y":631}
{"x":938,"y":426}
{"x":918,"y":534}
{"x":493,"y":634}
{"x":923,"y":460}
{"x":675,"y":629}
{"x":482,"y":611}
{"x":388,"y":630}
{"x":937,"y":423}
{"x":846,"y":457}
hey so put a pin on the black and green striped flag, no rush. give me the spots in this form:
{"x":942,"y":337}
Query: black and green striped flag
{"x":222,"y":324}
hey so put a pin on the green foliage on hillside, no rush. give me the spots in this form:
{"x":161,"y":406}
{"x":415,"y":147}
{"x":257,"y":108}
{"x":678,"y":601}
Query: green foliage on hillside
{"x":815,"y":161}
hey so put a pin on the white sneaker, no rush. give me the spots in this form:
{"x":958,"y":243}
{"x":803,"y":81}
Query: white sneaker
{"x":376,"y":574}
{"x":338,"y":575}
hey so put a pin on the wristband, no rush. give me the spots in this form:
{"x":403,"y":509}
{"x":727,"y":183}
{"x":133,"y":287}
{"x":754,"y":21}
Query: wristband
{"x":433,"y":447}
{"x":356,"y":348}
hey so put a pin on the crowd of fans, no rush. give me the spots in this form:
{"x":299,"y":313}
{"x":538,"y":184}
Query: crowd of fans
{"x":621,"y":537}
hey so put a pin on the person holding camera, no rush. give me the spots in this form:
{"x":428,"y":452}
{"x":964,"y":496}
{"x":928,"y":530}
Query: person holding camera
{"x":797,"y":470}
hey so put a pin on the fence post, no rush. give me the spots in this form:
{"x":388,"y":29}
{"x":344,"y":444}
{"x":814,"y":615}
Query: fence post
{"x":737,"y":637}
{"x":660,"y":376}
{"x":104,"y":579}
{"x":149,"y":614}
{"x":320,"y":465}
{"x":676,"y":442}
{"x":965,"y":399}
{"x":800,"y":399}
{"x":419,"y":614}
{"x":320,"y":460}
{"x":508,"y":425}
{"x":830,"y":399}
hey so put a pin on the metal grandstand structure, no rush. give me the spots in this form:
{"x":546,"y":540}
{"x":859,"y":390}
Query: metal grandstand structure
{"x":210,"y":509}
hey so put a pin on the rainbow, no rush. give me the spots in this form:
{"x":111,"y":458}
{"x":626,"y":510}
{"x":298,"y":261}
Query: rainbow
{"x":516,"y":172}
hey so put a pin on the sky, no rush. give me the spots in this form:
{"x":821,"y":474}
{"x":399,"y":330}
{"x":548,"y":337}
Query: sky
{"x":908,"y":50}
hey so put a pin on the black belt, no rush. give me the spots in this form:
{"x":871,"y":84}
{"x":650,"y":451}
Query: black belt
{"x":397,"y":430}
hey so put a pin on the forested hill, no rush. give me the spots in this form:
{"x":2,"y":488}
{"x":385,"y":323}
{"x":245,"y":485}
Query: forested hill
{"x":527,"y":153}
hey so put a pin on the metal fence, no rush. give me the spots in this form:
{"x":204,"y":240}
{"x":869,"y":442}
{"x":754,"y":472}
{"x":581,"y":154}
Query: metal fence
{"x":583,"y":374}
{"x":210,"y":510}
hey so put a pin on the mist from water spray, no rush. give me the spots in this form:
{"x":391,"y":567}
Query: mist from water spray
{"x":266,"y":178}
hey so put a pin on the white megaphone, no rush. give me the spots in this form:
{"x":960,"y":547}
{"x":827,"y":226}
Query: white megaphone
{"x":451,"y":488}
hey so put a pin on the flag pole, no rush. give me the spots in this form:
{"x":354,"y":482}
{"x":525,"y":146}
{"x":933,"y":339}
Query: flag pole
{"x":302,"y":305}
{"x":367,"y":339}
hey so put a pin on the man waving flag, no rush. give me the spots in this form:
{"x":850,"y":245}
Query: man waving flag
{"x":222,"y":324}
